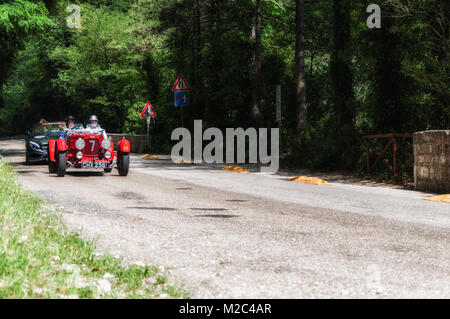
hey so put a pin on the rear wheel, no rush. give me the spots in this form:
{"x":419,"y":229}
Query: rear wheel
{"x":61,"y":164}
{"x":124,"y":164}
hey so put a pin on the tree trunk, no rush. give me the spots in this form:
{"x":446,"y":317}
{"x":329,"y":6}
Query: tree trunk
{"x":256,"y":113}
{"x":341,"y":75}
{"x":196,"y":48}
{"x":346,"y":144}
{"x":300,"y":66}
{"x":389,"y":113}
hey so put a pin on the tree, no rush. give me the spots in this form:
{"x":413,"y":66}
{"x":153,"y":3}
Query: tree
{"x":424,"y":26}
{"x":256,"y":113}
{"x":99,"y":73}
{"x":388,"y":82}
{"x":341,"y":74}
{"x":18,"y":19}
{"x":300,"y":66}
{"x":342,"y":84}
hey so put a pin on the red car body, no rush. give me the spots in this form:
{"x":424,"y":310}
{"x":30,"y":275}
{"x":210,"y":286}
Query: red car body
{"x":85,"y":149}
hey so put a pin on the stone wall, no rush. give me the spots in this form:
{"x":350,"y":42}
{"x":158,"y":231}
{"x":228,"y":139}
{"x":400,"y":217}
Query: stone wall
{"x":432,"y":161}
{"x":139,"y":143}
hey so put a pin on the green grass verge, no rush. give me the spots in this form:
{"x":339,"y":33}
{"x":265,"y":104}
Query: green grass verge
{"x":40,"y":258}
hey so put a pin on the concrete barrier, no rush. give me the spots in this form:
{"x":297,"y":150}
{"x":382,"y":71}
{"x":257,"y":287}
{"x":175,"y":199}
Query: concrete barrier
{"x":432,"y":161}
{"x":139,"y":143}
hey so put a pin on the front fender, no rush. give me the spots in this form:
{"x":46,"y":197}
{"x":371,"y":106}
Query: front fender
{"x":124,"y":146}
{"x":61,"y":145}
{"x":51,"y":150}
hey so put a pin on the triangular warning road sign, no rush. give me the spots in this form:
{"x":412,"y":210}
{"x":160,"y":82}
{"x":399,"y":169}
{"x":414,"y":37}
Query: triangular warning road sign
{"x":181,"y":84}
{"x":148,"y":111}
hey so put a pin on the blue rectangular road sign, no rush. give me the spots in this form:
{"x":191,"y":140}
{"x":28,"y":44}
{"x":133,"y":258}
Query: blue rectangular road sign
{"x":181,"y":98}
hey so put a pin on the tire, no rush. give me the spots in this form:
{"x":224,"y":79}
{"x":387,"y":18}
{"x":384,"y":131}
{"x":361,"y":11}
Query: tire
{"x":27,"y":159}
{"x":108,"y":170}
{"x":124,"y":164}
{"x":51,"y":167}
{"x":61,"y":164}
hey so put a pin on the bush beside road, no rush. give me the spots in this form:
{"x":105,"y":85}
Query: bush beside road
{"x":39,"y":258}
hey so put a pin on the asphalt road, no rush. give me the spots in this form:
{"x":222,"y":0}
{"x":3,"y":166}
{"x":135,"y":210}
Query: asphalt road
{"x":230,"y":235}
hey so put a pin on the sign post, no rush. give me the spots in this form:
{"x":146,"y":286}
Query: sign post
{"x":181,"y":94}
{"x":148,"y":112}
{"x":148,"y":125}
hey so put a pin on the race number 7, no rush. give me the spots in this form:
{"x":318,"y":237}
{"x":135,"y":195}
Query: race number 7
{"x":93,"y":145}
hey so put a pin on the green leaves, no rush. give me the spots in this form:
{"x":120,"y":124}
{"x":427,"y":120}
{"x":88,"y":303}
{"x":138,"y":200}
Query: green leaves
{"x":23,"y":17}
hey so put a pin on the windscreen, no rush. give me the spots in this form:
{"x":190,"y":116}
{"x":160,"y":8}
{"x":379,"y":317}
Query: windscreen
{"x":48,"y":128}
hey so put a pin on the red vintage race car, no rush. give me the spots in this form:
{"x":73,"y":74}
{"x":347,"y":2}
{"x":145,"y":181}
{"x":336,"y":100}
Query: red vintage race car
{"x":85,"y":149}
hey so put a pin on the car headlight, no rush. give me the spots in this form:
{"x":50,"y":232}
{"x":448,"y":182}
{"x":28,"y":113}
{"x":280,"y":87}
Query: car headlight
{"x":106,"y":143}
{"x":108,"y":155}
{"x":35,"y":145}
{"x":80,"y":144}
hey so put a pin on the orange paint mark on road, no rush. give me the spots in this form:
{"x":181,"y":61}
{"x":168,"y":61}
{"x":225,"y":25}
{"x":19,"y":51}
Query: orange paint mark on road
{"x":235,"y":169}
{"x":441,"y":198}
{"x":309,"y":180}
{"x":182,"y":161}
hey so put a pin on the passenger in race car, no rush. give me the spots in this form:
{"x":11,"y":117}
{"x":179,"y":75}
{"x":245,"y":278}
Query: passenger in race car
{"x":70,"y":125}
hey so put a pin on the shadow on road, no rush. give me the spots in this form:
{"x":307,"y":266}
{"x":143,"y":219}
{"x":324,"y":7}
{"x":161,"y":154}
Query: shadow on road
{"x":217,"y":216}
{"x":209,"y":209}
{"x":154,"y":208}
{"x":23,"y":172}
{"x":85,"y":174}
{"x":12,"y":152}
{"x":169,"y":164}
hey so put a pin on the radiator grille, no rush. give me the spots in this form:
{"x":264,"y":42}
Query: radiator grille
{"x":92,"y":147}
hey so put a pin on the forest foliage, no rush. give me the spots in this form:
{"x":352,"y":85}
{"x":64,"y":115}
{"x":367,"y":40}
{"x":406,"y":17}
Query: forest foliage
{"x":359,"y":81}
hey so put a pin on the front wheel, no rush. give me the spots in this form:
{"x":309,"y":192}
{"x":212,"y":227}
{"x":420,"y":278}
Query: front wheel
{"x":61,"y":164}
{"x":51,"y":167}
{"x":124,"y":164}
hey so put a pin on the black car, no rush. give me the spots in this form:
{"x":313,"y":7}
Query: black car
{"x":36,"y":141}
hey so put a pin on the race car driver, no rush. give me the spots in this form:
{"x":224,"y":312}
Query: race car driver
{"x":93,"y":125}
